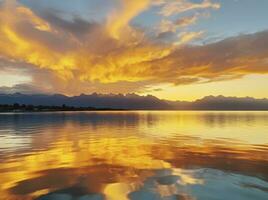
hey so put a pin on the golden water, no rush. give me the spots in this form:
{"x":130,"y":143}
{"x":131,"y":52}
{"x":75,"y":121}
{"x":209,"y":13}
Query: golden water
{"x":143,"y":155}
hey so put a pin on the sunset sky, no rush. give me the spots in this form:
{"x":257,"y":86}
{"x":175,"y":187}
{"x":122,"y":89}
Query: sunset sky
{"x":173,"y":49}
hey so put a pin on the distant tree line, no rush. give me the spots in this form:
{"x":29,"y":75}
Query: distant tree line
{"x":32,"y":108}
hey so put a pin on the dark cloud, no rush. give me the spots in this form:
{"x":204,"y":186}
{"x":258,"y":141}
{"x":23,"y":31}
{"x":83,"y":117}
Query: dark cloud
{"x":167,"y":37}
{"x":230,"y":58}
{"x":76,"y":25}
{"x":186,"y":80}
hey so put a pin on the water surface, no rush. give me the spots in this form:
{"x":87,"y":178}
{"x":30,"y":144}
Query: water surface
{"x":139,"y":155}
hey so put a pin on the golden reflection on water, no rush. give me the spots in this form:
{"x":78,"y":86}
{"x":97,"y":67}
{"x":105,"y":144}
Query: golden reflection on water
{"x":116,"y":154}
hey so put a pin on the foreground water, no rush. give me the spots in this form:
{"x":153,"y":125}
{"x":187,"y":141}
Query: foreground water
{"x":134,"y":156}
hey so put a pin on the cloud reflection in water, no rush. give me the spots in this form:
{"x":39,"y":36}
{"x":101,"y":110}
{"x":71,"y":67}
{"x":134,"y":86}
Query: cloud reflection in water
{"x":120,"y":155}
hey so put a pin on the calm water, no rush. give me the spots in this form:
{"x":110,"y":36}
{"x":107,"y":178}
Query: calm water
{"x":134,"y":156}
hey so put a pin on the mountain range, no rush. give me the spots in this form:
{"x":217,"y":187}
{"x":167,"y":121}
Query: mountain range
{"x":135,"y":102}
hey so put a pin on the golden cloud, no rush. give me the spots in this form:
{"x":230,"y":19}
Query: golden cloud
{"x":119,"y":20}
{"x":189,"y":36}
{"x":73,"y":56}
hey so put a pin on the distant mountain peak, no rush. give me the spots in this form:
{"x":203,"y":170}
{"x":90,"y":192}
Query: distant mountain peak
{"x":136,"y":102}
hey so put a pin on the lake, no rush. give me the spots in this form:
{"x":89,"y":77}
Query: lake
{"x":134,"y":155}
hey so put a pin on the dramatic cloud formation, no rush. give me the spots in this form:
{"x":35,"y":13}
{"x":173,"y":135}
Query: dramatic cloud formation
{"x":230,"y":58}
{"x":74,"y":55}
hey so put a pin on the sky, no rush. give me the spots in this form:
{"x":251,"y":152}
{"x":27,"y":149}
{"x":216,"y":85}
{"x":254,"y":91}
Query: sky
{"x":173,"y":49}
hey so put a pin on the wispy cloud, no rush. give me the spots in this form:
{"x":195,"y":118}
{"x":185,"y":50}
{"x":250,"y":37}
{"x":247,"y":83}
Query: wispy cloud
{"x":179,"y":6}
{"x":186,"y":21}
{"x":186,"y":37}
